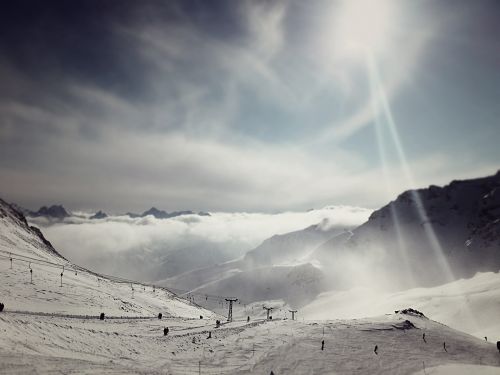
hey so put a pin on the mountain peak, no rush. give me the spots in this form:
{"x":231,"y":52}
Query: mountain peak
{"x":56,"y":211}
{"x":99,"y":215}
{"x":159,"y":214}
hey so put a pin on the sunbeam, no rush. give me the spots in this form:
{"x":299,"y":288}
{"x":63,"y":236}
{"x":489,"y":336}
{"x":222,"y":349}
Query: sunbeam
{"x":383,"y":117}
{"x":403,"y":250}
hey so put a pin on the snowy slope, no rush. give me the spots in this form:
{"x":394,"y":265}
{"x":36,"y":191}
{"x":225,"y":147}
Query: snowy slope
{"x":277,"y":268}
{"x":82,"y":292}
{"x":425,"y":237}
{"x":293,"y":247}
{"x":70,"y":345}
{"x":48,"y":328}
{"x":470,"y":305}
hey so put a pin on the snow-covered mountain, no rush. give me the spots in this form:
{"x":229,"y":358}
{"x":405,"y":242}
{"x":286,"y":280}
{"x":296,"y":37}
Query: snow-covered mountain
{"x":161,"y":214}
{"x":51,"y":324}
{"x":99,"y":215}
{"x":470,"y":305}
{"x":425,"y":237}
{"x":276,"y":269}
{"x":17,"y":237}
{"x":293,"y":247}
{"x":56,"y":211}
{"x":36,"y":278}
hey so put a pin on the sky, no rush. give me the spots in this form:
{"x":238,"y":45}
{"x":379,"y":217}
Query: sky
{"x":256,"y":106}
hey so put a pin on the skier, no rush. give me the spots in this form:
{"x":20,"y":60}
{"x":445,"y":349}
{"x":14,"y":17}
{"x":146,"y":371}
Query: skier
{"x":376,"y":350}
{"x":209,"y":335}
{"x":444,"y":347}
{"x":498,"y":346}
{"x":165,"y":331}
{"x":322,"y":344}
{"x":423,"y":338}
{"x":248,"y":319}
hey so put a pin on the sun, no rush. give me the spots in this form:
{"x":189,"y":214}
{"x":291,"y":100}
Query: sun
{"x":363,"y":26}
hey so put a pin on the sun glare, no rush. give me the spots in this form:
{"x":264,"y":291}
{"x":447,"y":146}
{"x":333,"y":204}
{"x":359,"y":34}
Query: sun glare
{"x":363,"y":26}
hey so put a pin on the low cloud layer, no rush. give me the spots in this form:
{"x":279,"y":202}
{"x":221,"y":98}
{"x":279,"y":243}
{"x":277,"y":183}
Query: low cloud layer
{"x":132,"y":246}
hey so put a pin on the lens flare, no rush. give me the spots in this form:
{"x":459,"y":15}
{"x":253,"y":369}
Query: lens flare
{"x":363,"y":25}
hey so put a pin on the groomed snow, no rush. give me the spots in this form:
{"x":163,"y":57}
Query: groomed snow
{"x":470,"y":305}
{"x":47,"y":344}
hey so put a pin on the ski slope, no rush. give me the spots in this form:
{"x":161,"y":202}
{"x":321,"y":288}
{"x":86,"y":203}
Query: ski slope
{"x":51,"y":325}
{"x":470,"y":305}
{"x":47,"y":344}
{"x":32,"y":282}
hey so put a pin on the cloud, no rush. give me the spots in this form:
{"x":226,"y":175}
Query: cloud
{"x":193,"y":112}
{"x":134,"y":246}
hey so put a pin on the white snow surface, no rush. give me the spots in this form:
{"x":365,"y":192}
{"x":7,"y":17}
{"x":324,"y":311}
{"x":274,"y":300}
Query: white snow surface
{"x":47,"y":328}
{"x":470,"y":305}
{"x":47,"y":344}
{"x":81,"y":292}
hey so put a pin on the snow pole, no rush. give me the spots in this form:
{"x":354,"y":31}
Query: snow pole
{"x":61,"y":279}
{"x":31,"y":276}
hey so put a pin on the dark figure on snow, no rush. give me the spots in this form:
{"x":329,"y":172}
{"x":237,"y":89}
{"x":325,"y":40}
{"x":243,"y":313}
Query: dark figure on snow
{"x":376,"y":350}
{"x":423,"y":338}
{"x":165,"y":331}
{"x":217,"y":323}
{"x":209,"y":335}
{"x":498,"y":346}
{"x":201,"y":316}
{"x":248,"y":319}
{"x":1,"y":306}
{"x":485,"y":338}
{"x":101,"y":317}
{"x":444,"y":347}
{"x":160,"y":315}
{"x":322,"y":344}
{"x":272,"y":373}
